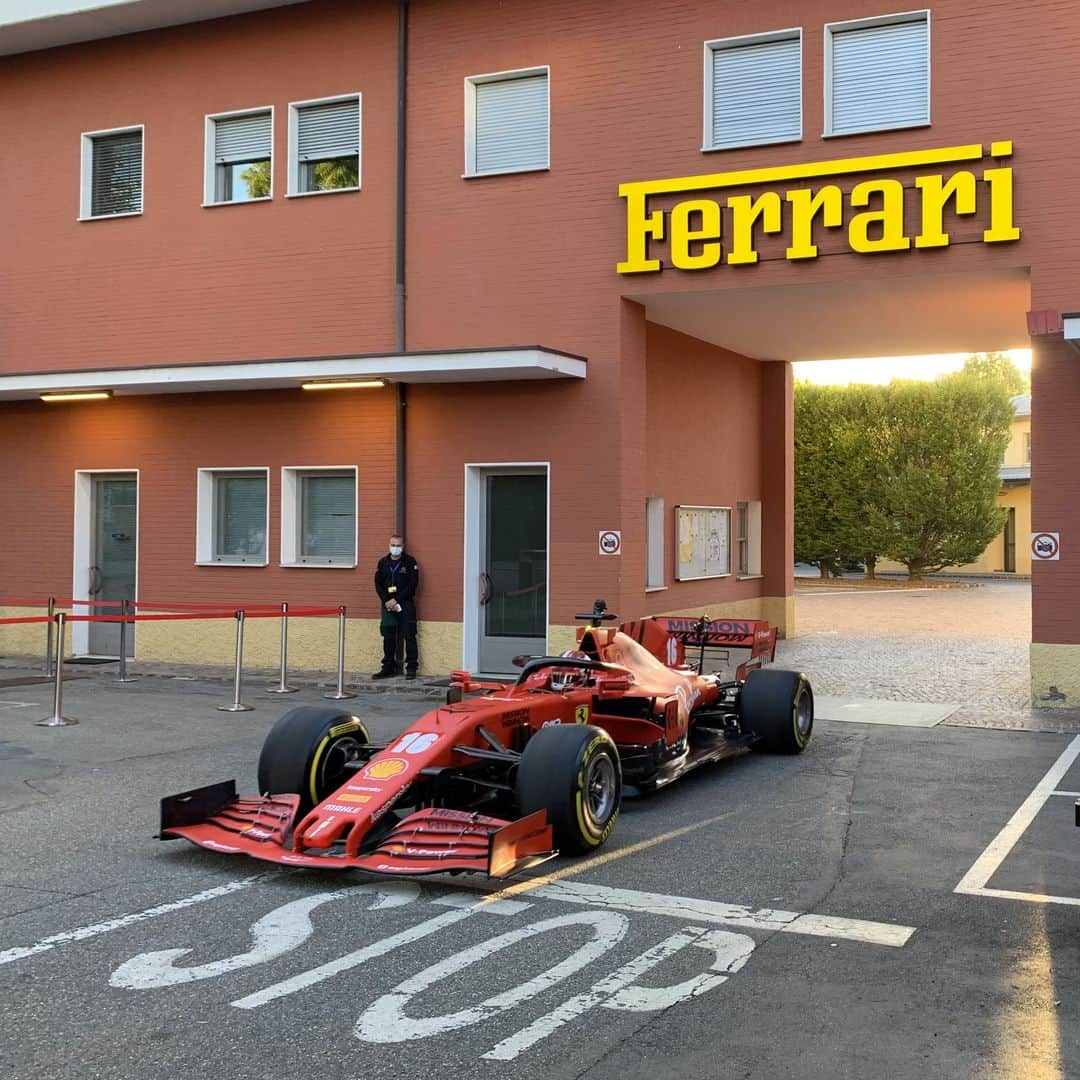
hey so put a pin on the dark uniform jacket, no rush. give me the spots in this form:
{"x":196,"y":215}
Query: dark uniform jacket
{"x":400,"y":585}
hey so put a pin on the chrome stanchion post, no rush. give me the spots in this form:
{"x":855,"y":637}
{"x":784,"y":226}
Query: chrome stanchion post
{"x":124,"y":677}
{"x":283,"y":687}
{"x":237,"y":705}
{"x":341,"y":693}
{"x":49,"y":636}
{"x":58,"y":719}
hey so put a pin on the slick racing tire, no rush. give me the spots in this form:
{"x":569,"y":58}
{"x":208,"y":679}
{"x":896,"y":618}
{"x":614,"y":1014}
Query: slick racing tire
{"x":307,"y":751}
{"x":778,"y":706}
{"x":572,"y":771}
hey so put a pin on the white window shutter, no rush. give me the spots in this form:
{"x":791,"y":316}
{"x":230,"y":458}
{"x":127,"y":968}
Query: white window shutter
{"x":242,"y":138}
{"x":757,"y":93}
{"x":330,"y":130}
{"x":512,"y":124}
{"x":881,"y":77}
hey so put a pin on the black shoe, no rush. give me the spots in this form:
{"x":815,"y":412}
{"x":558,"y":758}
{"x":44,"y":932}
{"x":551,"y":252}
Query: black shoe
{"x":384,"y":674}
{"x":410,"y":675}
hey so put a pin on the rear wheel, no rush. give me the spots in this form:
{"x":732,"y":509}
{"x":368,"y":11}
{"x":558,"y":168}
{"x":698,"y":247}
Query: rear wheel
{"x":572,"y":771}
{"x":779,"y":707}
{"x":307,"y":753}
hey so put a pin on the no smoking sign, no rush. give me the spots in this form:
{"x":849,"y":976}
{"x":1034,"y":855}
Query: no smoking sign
{"x":1046,"y":546}
{"x":610,"y":542}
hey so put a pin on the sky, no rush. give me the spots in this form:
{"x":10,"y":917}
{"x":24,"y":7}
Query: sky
{"x":885,"y":368}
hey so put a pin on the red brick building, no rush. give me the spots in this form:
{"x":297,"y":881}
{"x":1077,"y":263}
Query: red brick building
{"x":579,"y":249}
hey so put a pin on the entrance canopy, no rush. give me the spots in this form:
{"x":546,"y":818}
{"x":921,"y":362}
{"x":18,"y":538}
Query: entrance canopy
{"x":871,"y":316}
{"x":480,"y":365}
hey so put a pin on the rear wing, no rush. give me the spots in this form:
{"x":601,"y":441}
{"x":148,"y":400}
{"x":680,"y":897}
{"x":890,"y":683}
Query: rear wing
{"x":673,"y":640}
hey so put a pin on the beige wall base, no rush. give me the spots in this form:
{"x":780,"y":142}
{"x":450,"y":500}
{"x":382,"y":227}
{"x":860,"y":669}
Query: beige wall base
{"x":313,"y":642}
{"x":1055,"y":676}
{"x":23,"y":639}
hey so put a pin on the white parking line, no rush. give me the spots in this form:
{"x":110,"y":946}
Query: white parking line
{"x":83,"y":932}
{"x":710,"y":911}
{"x":973,"y":883}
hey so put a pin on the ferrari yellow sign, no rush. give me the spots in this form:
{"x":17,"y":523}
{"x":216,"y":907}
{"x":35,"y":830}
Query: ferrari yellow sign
{"x":581,"y":714}
{"x":702,"y":233}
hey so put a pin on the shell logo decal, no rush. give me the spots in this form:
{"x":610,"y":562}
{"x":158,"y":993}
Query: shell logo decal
{"x":383,"y":770}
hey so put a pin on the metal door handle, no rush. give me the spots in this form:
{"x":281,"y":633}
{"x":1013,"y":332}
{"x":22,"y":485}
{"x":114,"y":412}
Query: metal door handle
{"x":95,"y":581}
{"x":485,"y":588}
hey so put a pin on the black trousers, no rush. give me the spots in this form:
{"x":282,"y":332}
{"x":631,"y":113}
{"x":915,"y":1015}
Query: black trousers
{"x":400,"y":633}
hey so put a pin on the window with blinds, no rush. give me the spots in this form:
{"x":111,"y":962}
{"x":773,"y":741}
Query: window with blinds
{"x":325,"y":142}
{"x":231,"y":517}
{"x":508,"y":123}
{"x":327,"y":517}
{"x":878,"y":74}
{"x":240,"y":517}
{"x":654,"y":542}
{"x":113,"y":180}
{"x":240,"y":153}
{"x":753,"y":91}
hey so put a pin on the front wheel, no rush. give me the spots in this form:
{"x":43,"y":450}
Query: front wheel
{"x":778,"y":706}
{"x":572,"y":771}
{"x":307,"y":753}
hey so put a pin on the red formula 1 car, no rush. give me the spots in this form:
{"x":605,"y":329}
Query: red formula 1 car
{"x":502,"y":776}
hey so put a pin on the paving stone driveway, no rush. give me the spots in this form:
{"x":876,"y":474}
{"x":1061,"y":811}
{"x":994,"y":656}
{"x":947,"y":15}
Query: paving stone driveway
{"x":964,"y":645}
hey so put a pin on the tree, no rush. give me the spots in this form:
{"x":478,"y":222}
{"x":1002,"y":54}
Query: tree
{"x":864,"y":458}
{"x":257,"y":178}
{"x":820,"y":493}
{"x":995,"y":367}
{"x":943,"y":444}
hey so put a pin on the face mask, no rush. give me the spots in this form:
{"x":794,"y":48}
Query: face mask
{"x":395,"y":551}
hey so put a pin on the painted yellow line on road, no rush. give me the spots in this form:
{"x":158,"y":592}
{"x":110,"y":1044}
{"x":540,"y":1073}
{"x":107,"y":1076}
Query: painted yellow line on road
{"x":600,"y":860}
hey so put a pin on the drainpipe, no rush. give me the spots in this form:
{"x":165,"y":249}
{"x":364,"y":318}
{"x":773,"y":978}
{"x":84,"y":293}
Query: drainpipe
{"x":399,"y":254}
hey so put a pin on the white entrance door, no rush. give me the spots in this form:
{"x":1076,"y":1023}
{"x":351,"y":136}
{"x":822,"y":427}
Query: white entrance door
{"x":509,"y":548}
{"x":106,"y":545}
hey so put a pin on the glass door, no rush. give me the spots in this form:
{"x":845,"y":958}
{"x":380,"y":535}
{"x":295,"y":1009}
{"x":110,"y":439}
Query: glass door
{"x":1010,"y":541}
{"x":112,"y":557}
{"x":513,"y":568}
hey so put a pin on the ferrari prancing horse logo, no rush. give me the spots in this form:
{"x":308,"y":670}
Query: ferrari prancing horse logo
{"x":581,"y":714}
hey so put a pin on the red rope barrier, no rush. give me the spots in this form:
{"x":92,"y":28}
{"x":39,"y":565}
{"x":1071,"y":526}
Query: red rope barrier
{"x":179,"y":616}
{"x":182,"y":610}
{"x":203,"y":607}
{"x":176,"y":616}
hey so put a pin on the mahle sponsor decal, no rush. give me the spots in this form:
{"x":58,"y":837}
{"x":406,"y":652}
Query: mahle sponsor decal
{"x":702,"y":233}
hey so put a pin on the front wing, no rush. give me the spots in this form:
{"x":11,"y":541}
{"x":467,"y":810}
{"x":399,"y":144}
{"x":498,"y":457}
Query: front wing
{"x":432,"y":841}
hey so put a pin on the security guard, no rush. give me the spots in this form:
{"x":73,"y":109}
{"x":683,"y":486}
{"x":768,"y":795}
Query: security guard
{"x":396,"y":579}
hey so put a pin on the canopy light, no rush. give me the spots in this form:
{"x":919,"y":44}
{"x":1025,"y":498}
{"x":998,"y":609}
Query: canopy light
{"x":344,"y":384}
{"x":77,"y":395}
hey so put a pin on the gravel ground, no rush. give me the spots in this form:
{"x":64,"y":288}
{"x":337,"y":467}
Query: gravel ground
{"x":966,"y":645}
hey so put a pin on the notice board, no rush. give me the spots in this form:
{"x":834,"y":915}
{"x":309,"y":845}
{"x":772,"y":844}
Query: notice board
{"x":704,"y":541}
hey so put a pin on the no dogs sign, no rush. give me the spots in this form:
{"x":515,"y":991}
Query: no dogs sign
{"x":1046,"y":546}
{"x":610,"y":542}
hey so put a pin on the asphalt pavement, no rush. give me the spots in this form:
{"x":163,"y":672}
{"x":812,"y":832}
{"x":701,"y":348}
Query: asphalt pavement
{"x":768,"y":917}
